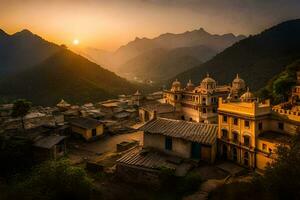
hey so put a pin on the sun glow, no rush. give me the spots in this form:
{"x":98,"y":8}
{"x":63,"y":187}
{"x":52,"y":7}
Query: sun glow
{"x":76,"y":42}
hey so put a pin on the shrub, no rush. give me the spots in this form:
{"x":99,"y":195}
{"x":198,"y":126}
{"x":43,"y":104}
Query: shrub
{"x":52,"y":180}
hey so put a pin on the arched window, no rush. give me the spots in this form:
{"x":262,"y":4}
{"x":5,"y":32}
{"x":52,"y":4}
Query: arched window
{"x":247,"y":140}
{"x":224,"y":134}
{"x":235,"y":137}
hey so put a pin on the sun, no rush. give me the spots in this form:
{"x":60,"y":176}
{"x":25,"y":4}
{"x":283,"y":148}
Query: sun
{"x":76,"y":42}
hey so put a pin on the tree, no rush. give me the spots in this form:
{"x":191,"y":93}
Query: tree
{"x":52,"y":180}
{"x":281,"y":177}
{"x":20,"y":109}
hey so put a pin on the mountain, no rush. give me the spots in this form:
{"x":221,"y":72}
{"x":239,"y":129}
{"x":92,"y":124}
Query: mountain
{"x":140,"y":53}
{"x":43,"y":72}
{"x":257,"y":58}
{"x":22,"y":50}
{"x":172,"y":41}
{"x":161,"y":64}
{"x":64,"y":75}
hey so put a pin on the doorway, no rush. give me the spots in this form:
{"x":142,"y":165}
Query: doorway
{"x":196,"y":150}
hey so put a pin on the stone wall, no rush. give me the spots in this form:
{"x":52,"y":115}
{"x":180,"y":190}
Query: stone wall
{"x":138,"y":175}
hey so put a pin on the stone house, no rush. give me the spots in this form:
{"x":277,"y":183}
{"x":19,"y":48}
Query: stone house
{"x":180,"y":138}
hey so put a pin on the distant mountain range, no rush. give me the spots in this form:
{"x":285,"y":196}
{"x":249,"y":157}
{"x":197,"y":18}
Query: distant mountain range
{"x":257,"y":58}
{"x":164,"y":56}
{"x":43,"y":72}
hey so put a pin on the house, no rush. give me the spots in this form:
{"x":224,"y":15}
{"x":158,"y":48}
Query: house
{"x":200,"y":103}
{"x":250,"y":130}
{"x":50,"y":146}
{"x":180,"y":138}
{"x":47,"y":142}
{"x":144,"y":166}
{"x":88,"y":128}
{"x":148,"y":111}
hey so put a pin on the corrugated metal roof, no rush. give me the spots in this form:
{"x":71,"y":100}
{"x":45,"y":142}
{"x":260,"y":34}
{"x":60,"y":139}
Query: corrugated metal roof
{"x":192,"y":131}
{"x":152,"y":159}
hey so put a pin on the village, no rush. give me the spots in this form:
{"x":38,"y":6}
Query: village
{"x":222,"y":133}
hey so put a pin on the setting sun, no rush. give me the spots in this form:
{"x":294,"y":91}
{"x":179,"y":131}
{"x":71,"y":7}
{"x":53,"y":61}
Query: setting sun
{"x":76,"y":42}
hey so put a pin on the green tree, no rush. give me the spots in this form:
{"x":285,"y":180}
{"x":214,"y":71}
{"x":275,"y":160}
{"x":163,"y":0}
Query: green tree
{"x":20,"y":109}
{"x":53,"y":180}
{"x":281,"y":178}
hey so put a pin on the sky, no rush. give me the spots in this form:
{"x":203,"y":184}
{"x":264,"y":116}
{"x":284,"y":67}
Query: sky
{"x":108,"y":24}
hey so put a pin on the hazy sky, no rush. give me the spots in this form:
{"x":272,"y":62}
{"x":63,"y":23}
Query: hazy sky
{"x":107,"y":24}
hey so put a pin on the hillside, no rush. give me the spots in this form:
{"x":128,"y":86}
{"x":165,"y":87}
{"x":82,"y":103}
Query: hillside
{"x":22,"y":50}
{"x":64,"y":75}
{"x":257,"y":58}
{"x":138,"y":57}
{"x":162,"y":64}
{"x":279,"y":87}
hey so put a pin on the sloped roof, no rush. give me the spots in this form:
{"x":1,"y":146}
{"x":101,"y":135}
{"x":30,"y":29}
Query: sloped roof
{"x":191,"y":131}
{"x":49,"y":141}
{"x":84,"y":122}
{"x":159,"y":107}
{"x":152,"y":160}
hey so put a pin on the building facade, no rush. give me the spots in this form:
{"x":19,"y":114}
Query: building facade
{"x":200,"y":103}
{"x":87,"y":128}
{"x":250,"y":130}
{"x":189,"y":140}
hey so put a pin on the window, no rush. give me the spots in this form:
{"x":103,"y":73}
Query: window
{"x":224,"y":118}
{"x":264,"y":147}
{"x":235,"y":121}
{"x":224,"y":134}
{"x":235,"y":137}
{"x":168,"y":143}
{"x":94,"y":132}
{"x":214,"y":110}
{"x":260,"y":126}
{"x":247,"y":124}
{"x":246,"y":140}
{"x":270,"y":150}
{"x":204,"y":110}
{"x":280,"y":125}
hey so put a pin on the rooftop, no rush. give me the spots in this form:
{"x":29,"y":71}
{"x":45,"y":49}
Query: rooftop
{"x":84,"y":122}
{"x":159,"y":107}
{"x":151,"y":159}
{"x":49,"y":141}
{"x":195,"y":132}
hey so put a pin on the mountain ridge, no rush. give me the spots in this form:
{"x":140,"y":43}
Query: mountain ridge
{"x":256,"y":58}
{"x":44,"y":72}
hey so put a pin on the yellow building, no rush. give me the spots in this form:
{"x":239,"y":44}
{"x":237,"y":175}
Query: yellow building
{"x":250,"y":131}
{"x":199,"y":103}
{"x":88,"y":128}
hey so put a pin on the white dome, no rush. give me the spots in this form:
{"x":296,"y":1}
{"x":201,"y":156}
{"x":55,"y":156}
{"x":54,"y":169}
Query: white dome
{"x":208,"y":83}
{"x":190,"y":86}
{"x":176,"y":86}
{"x":247,"y":96}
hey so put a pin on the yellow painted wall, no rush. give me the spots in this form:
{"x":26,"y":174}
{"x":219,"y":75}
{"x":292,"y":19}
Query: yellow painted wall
{"x":87,"y":133}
